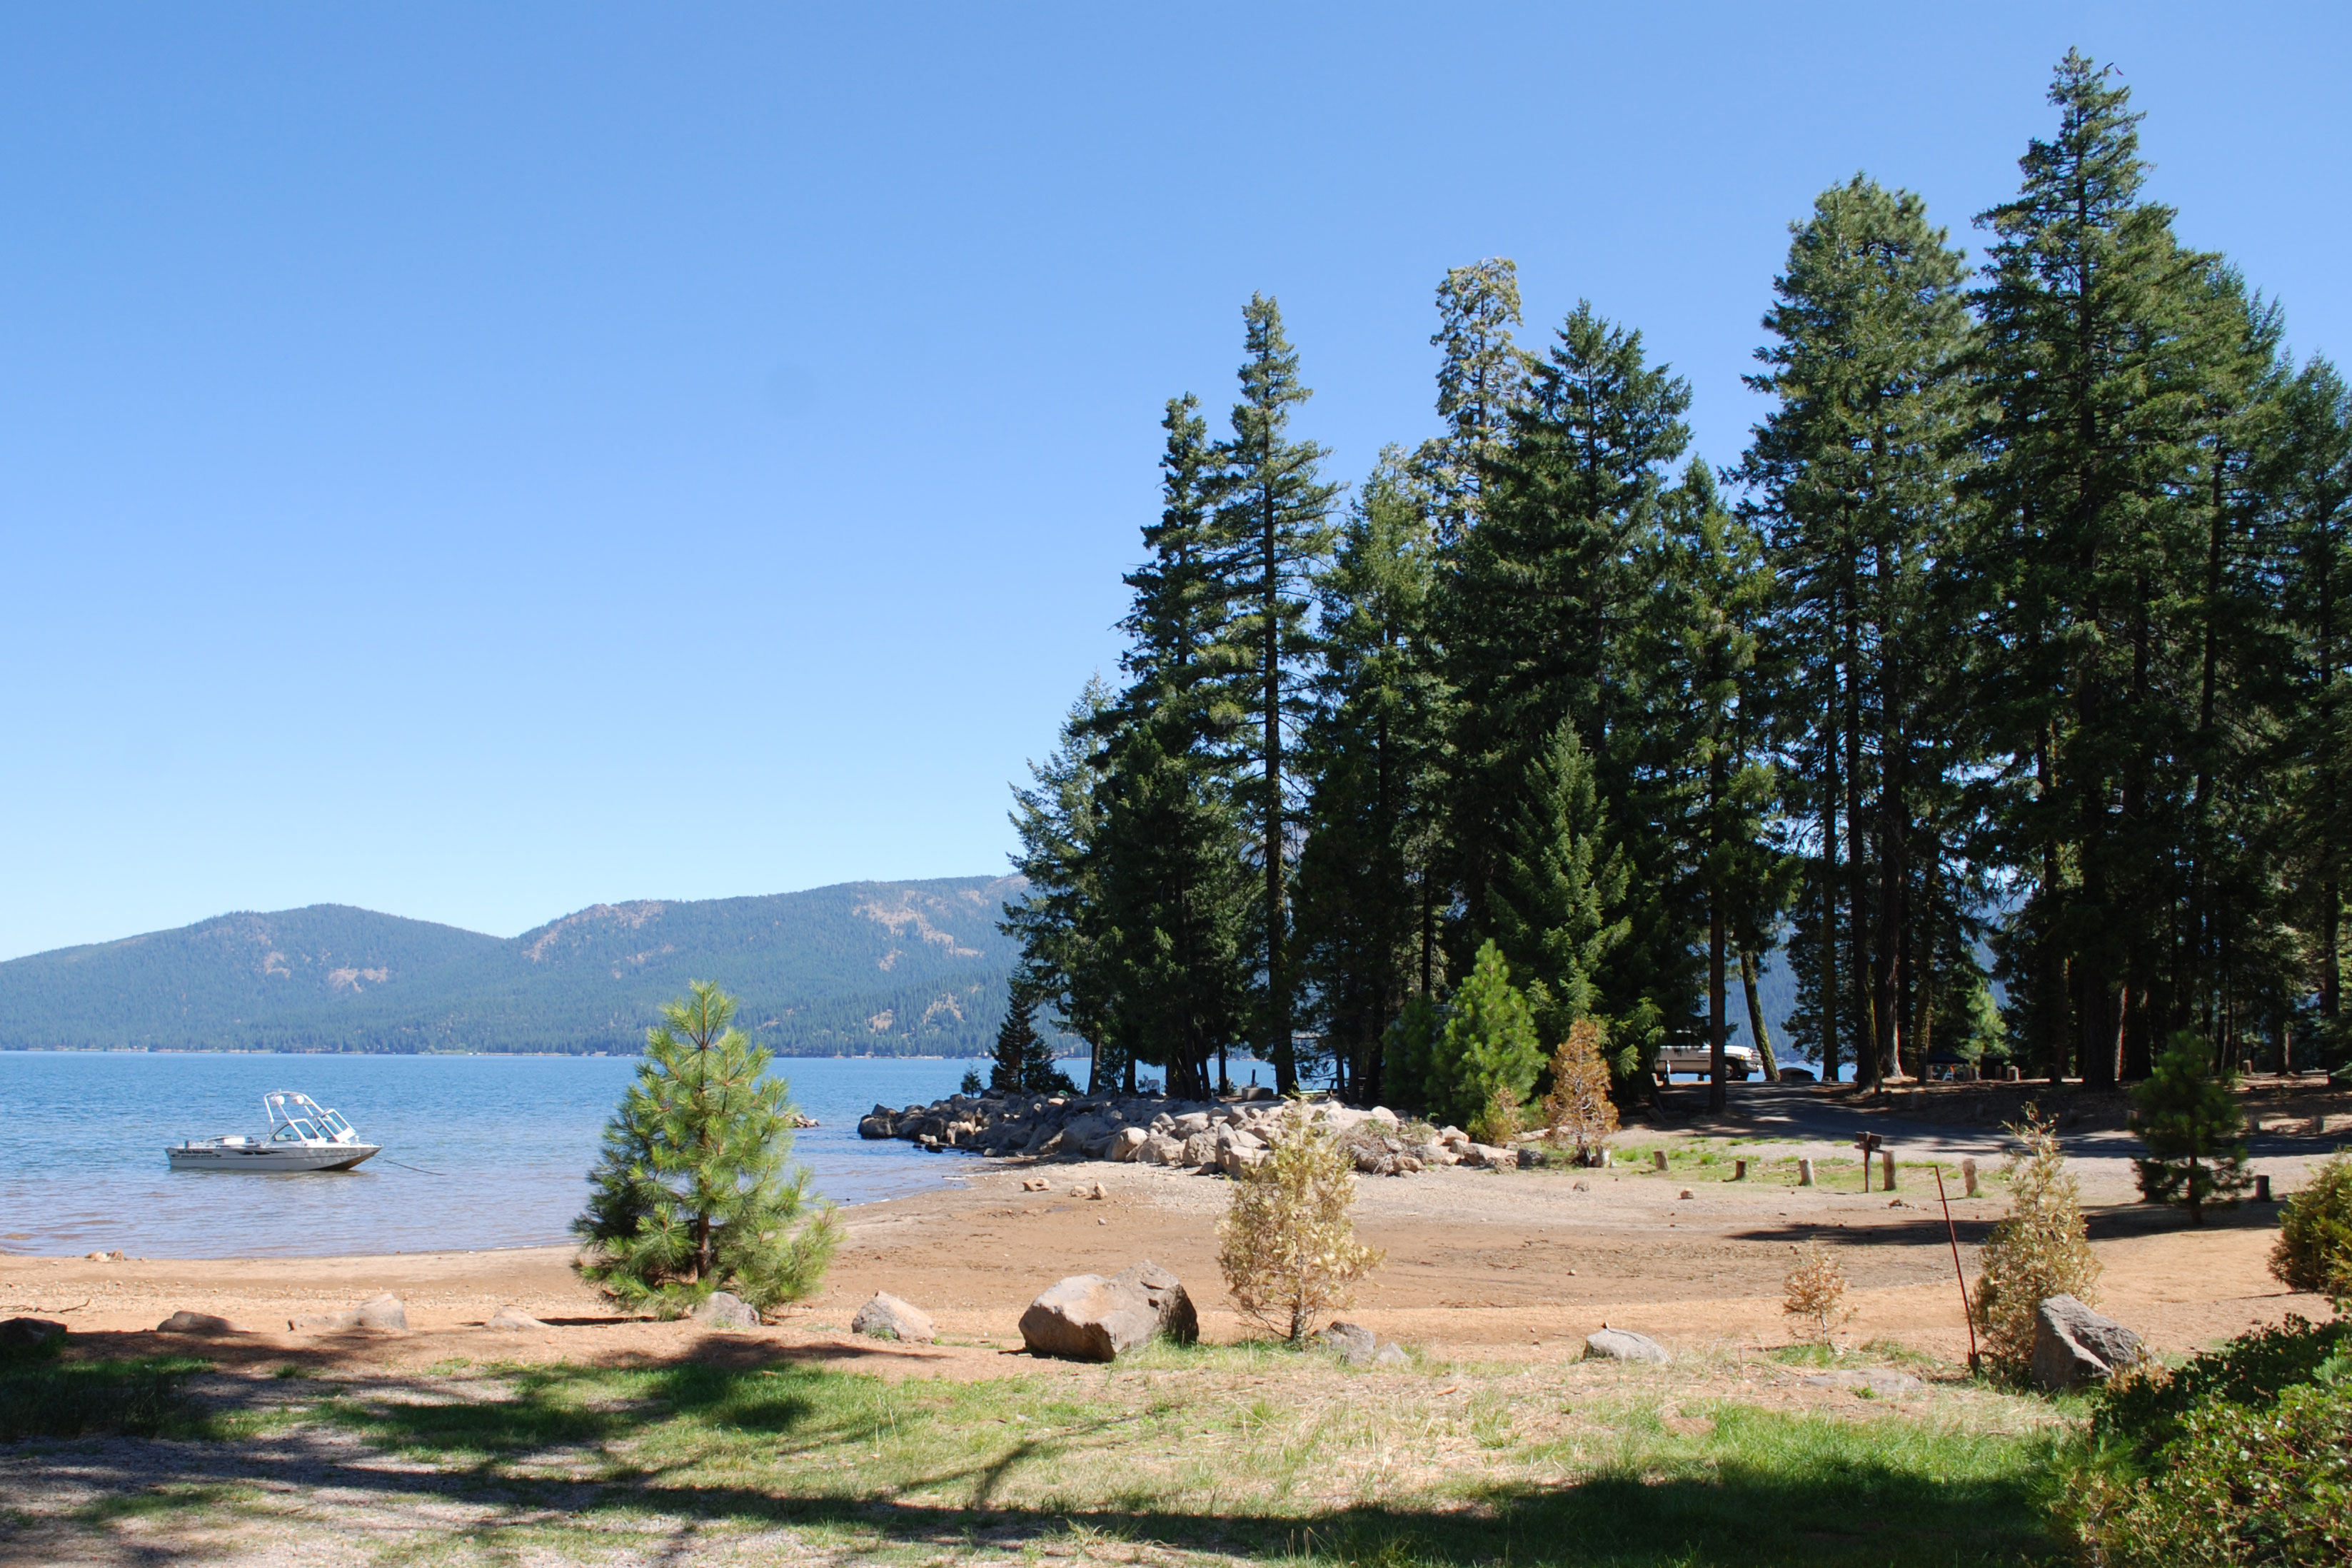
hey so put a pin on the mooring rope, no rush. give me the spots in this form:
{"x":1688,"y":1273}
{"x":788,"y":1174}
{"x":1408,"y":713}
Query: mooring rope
{"x":418,"y":1169}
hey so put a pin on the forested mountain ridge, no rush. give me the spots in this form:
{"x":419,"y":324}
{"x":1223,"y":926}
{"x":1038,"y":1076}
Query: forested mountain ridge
{"x":889,"y":968}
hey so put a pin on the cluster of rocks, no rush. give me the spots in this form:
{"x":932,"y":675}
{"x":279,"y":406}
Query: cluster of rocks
{"x":1214,"y":1135}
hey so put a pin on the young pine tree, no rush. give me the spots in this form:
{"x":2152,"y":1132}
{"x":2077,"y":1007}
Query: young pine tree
{"x":1489,"y":1046}
{"x":2193,"y":1128}
{"x":694,"y":1193}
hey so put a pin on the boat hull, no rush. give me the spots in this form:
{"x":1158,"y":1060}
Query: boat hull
{"x":263,"y":1159}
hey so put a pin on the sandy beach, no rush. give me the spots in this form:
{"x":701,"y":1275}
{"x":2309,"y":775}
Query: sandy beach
{"x":1510,"y":1265}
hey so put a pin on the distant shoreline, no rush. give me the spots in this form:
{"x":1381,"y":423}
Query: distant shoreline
{"x":582,"y":1056}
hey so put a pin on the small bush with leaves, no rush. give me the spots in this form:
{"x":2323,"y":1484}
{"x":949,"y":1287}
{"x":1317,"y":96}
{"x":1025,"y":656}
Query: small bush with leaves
{"x":2042,"y":1249}
{"x":2244,"y":1455}
{"x":1288,"y":1245}
{"x":1579,"y":1111}
{"x":1814,"y":1294}
{"x":2315,"y":1245}
{"x":2190,"y":1121}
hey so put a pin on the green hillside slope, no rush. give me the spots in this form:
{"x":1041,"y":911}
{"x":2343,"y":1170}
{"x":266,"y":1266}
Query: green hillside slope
{"x":905,"y":968}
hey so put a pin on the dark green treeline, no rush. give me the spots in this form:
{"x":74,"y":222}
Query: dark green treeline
{"x":2010,"y":660}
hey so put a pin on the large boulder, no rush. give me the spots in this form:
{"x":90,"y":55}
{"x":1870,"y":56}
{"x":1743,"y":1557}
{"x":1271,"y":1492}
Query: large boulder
{"x":887,"y":1318}
{"x":512,"y":1320}
{"x":186,"y":1322}
{"x":1355,"y":1342}
{"x":1162,"y":1149}
{"x":1128,"y":1142}
{"x":1088,"y":1318}
{"x":2073,"y":1345}
{"x":1200,"y":1149}
{"x":724,"y":1310}
{"x":1624,"y":1344}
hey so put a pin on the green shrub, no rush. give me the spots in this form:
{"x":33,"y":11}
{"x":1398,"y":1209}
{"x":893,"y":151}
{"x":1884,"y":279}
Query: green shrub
{"x":2145,"y":1412}
{"x":2243,"y":1455}
{"x":2268,"y":1484}
{"x":2315,"y":1245}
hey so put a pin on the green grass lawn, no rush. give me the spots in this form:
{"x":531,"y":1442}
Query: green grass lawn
{"x":1234,"y":1452}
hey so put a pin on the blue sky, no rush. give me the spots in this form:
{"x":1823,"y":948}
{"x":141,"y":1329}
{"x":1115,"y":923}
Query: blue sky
{"x":478,"y":461}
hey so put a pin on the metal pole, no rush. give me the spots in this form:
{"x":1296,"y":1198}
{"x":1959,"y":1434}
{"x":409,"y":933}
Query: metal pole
{"x":1953,"y":1234}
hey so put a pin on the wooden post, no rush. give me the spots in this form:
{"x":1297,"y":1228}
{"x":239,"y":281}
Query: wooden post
{"x":1804,"y":1173}
{"x":2262,"y":1189}
{"x":1739,"y":1170}
{"x":1886,"y":1169}
{"x":1968,"y":1176}
{"x":1658,"y":1159}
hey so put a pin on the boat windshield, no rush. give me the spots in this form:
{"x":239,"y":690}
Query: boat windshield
{"x":297,"y":1119}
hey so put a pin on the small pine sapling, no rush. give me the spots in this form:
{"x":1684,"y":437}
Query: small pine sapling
{"x":694,"y":1193}
{"x":1488,"y":1043}
{"x":2042,"y":1249}
{"x":1288,"y":1245}
{"x":2194,"y":1130}
{"x":1814,"y":1294}
{"x":2315,"y":1245}
{"x":971,"y":1084}
{"x":1579,"y":1110}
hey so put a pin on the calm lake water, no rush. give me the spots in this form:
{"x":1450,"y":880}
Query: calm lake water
{"x":479,"y":1152}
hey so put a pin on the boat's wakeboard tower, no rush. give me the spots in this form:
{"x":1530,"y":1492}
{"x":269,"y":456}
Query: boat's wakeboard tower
{"x":297,"y":1119}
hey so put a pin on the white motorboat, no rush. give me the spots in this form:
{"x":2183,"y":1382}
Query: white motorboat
{"x":302,"y":1136}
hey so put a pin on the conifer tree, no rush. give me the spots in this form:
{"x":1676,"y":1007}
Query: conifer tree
{"x":1271,"y":519}
{"x":1542,"y":620}
{"x":1489,"y":1046}
{"x":1366,"y":883}
{"x":2091,"y":317}
{"x":1481,"y":380}
{"x":1556,"y":900}
{"x":1023,"y":1063}
{"x":1854,"y":472}
{"x":2190,"y":1120}
{"x":1714,"y":596}
{"x":694,"y":1192}
{"x":1066,"y":957}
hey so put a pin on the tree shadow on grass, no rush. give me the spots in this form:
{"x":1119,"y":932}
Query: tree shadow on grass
{"x":1767,"y":1488}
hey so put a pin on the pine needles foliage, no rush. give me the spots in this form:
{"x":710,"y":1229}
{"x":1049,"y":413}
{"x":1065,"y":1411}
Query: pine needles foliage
{"x":1488,"y":1043}
{"x":2192,"y":1125}
{"x":694,"y":1192}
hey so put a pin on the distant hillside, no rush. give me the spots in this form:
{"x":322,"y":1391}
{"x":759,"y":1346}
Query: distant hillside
{"x":890,"y":968}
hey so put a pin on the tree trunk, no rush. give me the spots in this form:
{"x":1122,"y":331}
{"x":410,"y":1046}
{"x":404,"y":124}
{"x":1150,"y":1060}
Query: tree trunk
{"x":1717,"y":1093}
{"x":1756,"y":1018}
{"x":1278,"y":980}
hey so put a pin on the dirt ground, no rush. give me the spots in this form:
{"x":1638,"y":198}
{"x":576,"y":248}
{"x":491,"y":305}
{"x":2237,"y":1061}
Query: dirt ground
{"x":1481,"y":1265}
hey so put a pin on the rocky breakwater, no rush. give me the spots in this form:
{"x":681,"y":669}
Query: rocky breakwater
{"x":1220,"y":1135}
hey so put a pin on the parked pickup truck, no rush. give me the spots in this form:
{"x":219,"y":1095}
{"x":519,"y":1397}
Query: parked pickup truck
{"x":1740,"y":1063}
